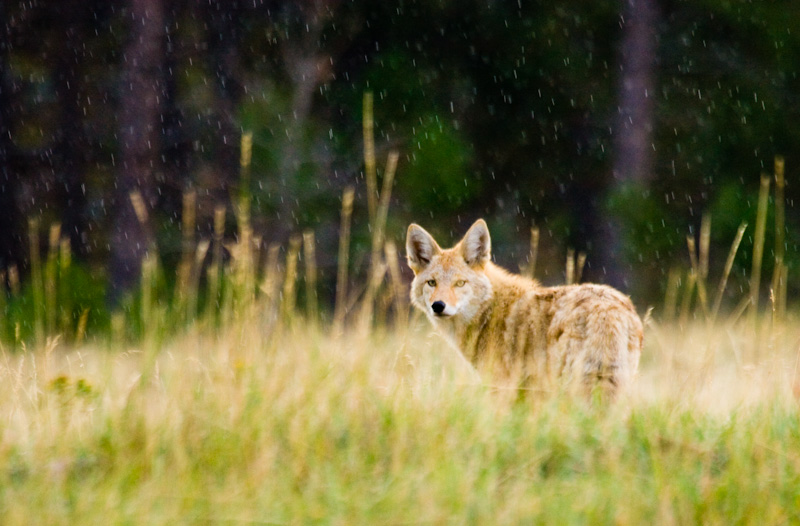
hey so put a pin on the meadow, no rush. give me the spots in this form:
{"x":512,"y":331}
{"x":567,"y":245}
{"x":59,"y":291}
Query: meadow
{"x":295,"y":425}
{"x":228,"y":401}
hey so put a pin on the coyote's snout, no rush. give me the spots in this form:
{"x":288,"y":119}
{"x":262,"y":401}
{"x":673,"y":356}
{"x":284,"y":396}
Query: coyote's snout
{"x":513,"y":329}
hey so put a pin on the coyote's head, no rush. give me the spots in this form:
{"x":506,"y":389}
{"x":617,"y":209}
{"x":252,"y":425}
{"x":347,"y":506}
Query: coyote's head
{"x":450,"y":284}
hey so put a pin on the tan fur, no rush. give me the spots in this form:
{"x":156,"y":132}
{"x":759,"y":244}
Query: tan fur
{"x":514,"y":330}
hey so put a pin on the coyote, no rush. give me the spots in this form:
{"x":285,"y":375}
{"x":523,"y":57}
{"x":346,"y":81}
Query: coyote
{"x":512,"y":329}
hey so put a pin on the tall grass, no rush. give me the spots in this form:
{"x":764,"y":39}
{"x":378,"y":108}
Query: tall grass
{"x":37,"y":283}
{"x":291,"y":427}
{"x":343,"y":261}
{"x":236,"y":404}
{"x":758,"y":243}
{"x":780,"y":269}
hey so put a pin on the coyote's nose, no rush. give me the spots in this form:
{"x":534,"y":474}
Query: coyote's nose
{"x":438,"y":307}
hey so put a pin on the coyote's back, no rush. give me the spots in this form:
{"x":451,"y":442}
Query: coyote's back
{"x":512,"y":329}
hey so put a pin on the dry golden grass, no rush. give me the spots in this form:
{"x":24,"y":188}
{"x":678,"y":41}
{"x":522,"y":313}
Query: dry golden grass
{"x":292,"y":426}
{"x":719,"y":367}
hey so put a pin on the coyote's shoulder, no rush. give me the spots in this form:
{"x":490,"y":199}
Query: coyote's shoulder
{"x":513,"y":328}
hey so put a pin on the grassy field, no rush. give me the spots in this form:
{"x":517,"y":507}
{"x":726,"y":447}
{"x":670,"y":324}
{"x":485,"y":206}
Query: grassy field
{"x":232,"y":408}
{"x":294,"y":426}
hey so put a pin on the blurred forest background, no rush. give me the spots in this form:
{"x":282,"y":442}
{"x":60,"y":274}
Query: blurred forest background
{"x":613,"y":126}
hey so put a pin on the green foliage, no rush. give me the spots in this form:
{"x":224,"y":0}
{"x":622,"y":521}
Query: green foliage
{"x":80,"y":306}
{"x":436,"y":178}
{"x":653,"y":236}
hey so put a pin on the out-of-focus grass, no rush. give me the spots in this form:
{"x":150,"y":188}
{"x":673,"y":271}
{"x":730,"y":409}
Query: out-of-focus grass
{"x":292,"y":426}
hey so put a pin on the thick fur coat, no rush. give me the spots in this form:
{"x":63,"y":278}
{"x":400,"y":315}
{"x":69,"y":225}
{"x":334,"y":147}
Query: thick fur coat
{"x":514,"y":330}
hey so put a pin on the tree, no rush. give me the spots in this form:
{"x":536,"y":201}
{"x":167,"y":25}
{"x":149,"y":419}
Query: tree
{"x":176,"y":144}
{"x":633,"y":150}
{"x":71,"y":146}
{"x":222,"y":18}
{"x":139,"y":140}
{"x":10,"y":224}
{"x":307,"y":64}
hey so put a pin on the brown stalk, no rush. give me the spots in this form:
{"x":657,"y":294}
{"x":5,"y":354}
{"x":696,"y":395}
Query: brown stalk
{"x":377,"y":266}
{"x":64,"y":263}
{"x":369,"y":156}
{"x":697,"y":272}
{"x":188,"y":218}
{"x":289,"y":299}
{"x":580,"y":262}
{"x":570,"y":271}
{"x":215,"y":272}
{"x":399,"y":290}
{"x":309,"y":255}
{"x":271,"y":280}
{"x":779,"y":270}
{"x":726,"y":272}
{"x":51,"y":279}
{"x":36,"y":277}
{"x":340,"y":308}
{"x":758,"y":242}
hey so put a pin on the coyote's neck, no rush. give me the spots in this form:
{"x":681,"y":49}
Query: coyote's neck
{"x":472,"y":337}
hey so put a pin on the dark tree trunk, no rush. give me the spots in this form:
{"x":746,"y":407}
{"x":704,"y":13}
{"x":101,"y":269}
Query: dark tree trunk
{"x":10,"y":224}
{"x":139,"y":139}
{"x":633,"y":152}
{"x":71,"y":144}
{"x":307,"y":66}
{"x":223,"y":42}
{"x":176,"y":147}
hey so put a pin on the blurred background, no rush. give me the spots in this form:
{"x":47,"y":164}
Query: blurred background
{"x":612,"y":126}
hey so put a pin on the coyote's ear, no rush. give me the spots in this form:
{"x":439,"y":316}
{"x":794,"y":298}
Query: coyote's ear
{"x":420,"y":247}
{"x":476,"y":247}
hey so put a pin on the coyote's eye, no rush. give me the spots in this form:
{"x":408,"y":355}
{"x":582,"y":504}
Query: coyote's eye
{"x":431,"y":282}
{"x":460,"y":283}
